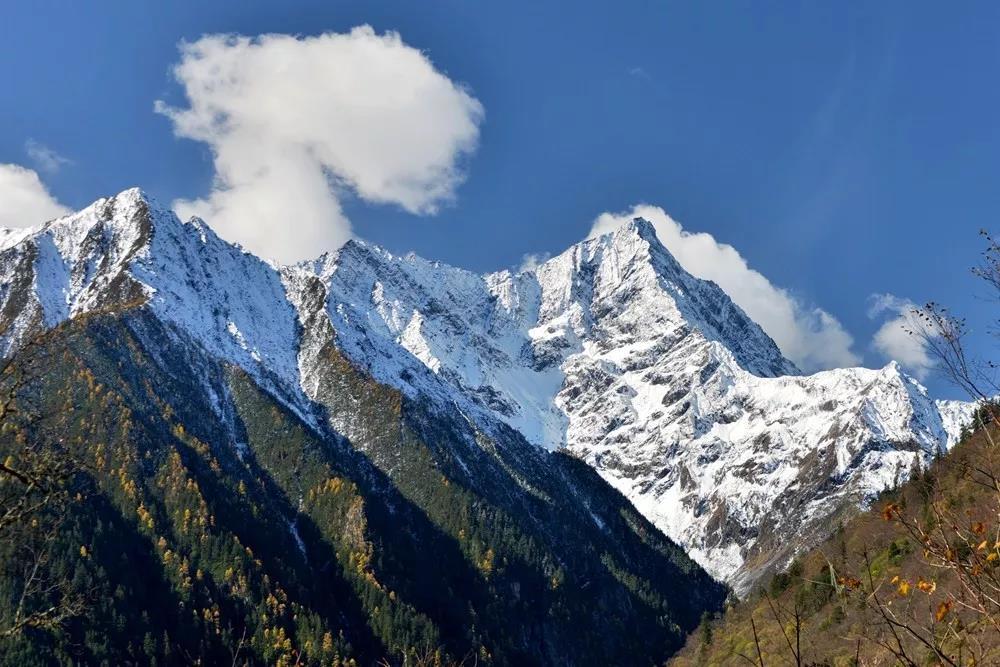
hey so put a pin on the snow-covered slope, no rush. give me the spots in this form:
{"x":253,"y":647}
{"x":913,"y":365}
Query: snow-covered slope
{"x":611,"y":349}
{"x":653,"y":377}
{"x":124,"y":251}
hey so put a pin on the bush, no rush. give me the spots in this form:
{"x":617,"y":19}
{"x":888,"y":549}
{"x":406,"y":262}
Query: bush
{"x":780,"y":583}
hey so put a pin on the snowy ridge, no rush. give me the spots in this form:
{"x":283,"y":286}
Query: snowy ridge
{"x":124,"y":251}
{"x":611,"y":349}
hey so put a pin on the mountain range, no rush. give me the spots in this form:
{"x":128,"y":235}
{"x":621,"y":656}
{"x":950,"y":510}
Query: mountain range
{"x":410,"y":375}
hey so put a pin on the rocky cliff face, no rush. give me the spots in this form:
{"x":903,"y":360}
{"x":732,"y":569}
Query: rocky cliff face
{"x":610,"y":350}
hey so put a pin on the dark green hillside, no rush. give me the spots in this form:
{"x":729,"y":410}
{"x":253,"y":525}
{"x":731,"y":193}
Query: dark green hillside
{"x":191,"y":517}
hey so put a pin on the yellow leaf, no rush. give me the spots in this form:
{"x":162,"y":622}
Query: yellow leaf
{"x":942,"y":610}
{"x":904,"y":588}
{"x":982,"y":546}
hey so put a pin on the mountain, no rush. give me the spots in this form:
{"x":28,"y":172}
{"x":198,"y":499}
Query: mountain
{"x":610,"y":351}
{"x":655,"y":378}
{"x":259,"y":477}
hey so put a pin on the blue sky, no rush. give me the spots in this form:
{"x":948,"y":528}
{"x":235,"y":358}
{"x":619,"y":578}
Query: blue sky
{"x":844,"y":151}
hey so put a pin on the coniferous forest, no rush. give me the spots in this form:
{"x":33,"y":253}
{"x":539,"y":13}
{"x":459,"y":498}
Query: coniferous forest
{"x":161,"y":508}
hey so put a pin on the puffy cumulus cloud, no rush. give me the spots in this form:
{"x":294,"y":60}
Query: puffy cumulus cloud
{"x":25,"y":200}
{"x":295,"y":122}
{"x":809,"y":336}
{"x":903,"y":335}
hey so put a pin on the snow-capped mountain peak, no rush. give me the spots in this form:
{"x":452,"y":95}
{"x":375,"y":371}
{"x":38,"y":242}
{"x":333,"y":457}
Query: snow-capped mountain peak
{"x":630,"y":269}
{"x":127,"y":250}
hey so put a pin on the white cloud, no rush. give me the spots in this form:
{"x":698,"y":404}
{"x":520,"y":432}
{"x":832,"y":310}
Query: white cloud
{"x":902,"y":337}
{"x":532,"y":260}
{"x":44,"y":157}
{"x":25,"y":201}
{"x":809,"y":336}
{"x":295,"y":122}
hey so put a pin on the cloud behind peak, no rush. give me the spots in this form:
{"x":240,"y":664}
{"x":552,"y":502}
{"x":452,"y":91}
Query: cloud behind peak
{"x":807,"y":335}
{"x":26,"y":200}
